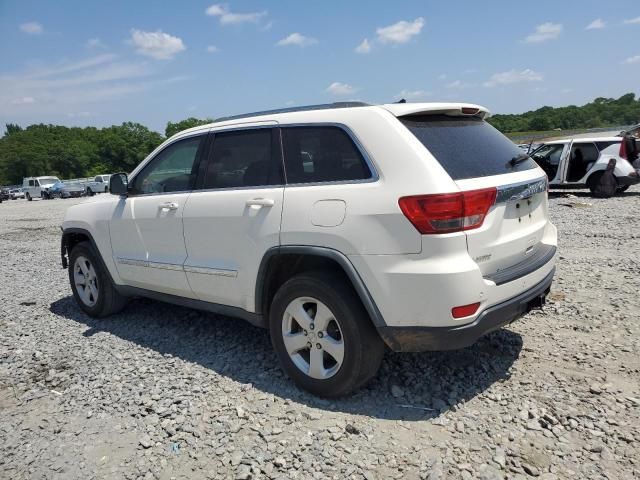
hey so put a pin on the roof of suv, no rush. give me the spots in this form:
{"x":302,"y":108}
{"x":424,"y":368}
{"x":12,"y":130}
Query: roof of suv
{"x":397,"y":109}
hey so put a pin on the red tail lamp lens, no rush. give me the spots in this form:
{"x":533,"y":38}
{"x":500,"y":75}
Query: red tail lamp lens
{"x":465,"y":310}
{"x":448,"y":212}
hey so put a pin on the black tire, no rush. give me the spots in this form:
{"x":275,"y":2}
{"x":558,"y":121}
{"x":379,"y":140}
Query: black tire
{"x":623,"y":189}
{"x":363,"y":348}
{"x":90,"y":192}
{"x":29,"y":197}
{"x":109,"y":301}
{"x":593,"y":181}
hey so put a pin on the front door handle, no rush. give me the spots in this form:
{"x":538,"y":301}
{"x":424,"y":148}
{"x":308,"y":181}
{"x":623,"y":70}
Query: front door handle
{"x":260,"y":202}
{"x":168,"y":206}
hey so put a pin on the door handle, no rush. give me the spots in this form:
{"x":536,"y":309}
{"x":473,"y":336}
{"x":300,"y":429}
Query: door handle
{"x":168,"y":206}
{"x":260,"y":202}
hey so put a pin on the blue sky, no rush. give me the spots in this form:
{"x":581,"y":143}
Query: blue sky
{"x":99,"y":63}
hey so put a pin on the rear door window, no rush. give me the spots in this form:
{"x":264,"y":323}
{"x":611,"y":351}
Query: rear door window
{"x":467,"y":147}
{"x":322,"y":154}
{"x":244,"y":158}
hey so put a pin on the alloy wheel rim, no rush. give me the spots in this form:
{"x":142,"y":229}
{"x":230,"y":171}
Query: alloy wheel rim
{"x":313,"y":338}
{"x":86,"y":281}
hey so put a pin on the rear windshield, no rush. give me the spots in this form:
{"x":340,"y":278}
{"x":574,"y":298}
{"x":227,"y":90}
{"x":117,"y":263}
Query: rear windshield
{"x":467,"y":147}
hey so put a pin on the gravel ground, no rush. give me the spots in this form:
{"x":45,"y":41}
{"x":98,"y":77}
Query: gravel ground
{"x":166,"y":392}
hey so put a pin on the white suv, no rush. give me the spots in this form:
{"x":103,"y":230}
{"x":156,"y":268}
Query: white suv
{"x":340,"y":228}
{"x":580,"y":162}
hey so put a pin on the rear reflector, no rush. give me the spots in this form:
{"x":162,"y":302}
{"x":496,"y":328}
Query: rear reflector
{"x":465,"y":310}
{"x":448,"y":212}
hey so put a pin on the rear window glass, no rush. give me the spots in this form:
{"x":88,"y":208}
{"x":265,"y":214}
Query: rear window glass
{"x":602,"y":145}
{"x":467,"y":147}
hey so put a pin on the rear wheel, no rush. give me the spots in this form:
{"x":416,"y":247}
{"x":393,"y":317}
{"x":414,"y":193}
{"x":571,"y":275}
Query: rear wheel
{"x":28,"y":196}
{"x":91,"y":285}
{"x":322,"y":335}
{"x":623,"y":189}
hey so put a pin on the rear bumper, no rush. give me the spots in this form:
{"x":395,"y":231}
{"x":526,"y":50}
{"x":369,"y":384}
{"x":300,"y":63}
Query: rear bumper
{"x":418,"y":339}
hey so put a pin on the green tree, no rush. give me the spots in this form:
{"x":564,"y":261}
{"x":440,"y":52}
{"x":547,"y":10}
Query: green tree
{"x":173,"y":128}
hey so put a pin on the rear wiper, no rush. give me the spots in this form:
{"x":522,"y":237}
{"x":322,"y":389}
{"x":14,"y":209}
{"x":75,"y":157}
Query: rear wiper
{"x":518,"y":159}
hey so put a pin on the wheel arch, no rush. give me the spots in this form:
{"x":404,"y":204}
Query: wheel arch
{"x":74,"y":235}
{"x":280,"y":263}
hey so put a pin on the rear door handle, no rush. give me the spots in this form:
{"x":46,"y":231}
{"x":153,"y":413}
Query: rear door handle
{"x":168,"y":206}
{"x":260,"y":202}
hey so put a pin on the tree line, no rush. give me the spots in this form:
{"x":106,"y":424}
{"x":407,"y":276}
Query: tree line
{"x":602,"y":112}
{"x":73,"y":152}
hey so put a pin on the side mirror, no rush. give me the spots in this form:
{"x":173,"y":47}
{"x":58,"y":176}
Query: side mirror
{"x":118,"y":184}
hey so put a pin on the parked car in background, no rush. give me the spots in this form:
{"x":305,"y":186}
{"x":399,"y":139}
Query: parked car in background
{"x":341,"y":228}
{"x":4,"y":194}
{"x":38,"y":187}
{"x":16,"y":193}
{"x":100,"y":184}
{"x":581,"y":162}
{"x":66,"y":190}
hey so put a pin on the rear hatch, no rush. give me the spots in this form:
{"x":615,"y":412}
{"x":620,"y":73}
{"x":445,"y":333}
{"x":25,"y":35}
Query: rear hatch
{"x":479,"y":157}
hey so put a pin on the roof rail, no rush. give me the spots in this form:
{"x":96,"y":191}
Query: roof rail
{"x":325,"y":106}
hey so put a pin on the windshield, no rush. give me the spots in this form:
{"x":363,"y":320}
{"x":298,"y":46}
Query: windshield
{"x":48,"y":180}
{"x":467,"y":147}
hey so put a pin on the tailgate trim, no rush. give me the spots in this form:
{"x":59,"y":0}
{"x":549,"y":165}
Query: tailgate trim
{"x":521,"y":191}
{"x":544,"y":255}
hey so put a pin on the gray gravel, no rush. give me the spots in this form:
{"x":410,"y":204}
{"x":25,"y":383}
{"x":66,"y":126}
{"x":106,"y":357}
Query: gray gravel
{"x":165,"y":392}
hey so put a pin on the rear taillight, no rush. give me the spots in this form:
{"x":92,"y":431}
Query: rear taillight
{"x":623,"y":149}
{"x":448,"y":212}
{"x":465,"y":310}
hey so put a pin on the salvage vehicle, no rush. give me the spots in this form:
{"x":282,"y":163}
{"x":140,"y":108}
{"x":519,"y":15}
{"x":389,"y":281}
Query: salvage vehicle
{"x":66,"y":190}
{"x":4,"y":194}
{"x":341,"y":228}
{"x":581,"y":162}
{"x":16,"y":193}
{"x":100,"y":184}
{"x":35,"y":187}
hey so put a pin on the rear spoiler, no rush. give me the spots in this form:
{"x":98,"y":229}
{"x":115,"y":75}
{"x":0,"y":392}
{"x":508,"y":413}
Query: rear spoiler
{"x":451,"y":109}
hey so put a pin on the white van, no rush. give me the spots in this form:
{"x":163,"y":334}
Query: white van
{"x":38,"y":187}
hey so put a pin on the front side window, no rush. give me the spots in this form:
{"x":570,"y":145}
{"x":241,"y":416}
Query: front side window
{"x":243,"y":159}
{"x":321,"y":154}
{"x":171,"y":170}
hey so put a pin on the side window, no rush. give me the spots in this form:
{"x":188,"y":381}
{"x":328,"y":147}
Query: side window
{"x":37,"y":183}
{"x":603,"y":145}
{"x":243,"y":158}
{"x":171,"y":170}
{"x":321,"y":154}
{"x":549,"y":154}
{"x":31,"y":184}
{"x":584,"y":153}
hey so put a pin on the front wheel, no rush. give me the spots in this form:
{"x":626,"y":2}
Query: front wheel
{"x":29,"y":197}
{"x":323,"y":336}
{"x":92,"y":287}
{"x":623,"y":189}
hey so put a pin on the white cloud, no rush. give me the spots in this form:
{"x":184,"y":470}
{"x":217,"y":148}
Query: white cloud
{"x":364,"y":47}
{"x":23,"y":101}
{"x":95,"y":43}
{"x":158,"y":45}
{"x":632,"y":60}
{"x":458,"y":84}
{"x":32,"y":28}
{"x":338,"y":88}
{"x":212,"y":49}
{"x":544,"y":32}
{"x":413,"y":94}
{"x":633,"y":21}
{"x":298,"y":40}
{"x":513,"y":76}
{"x":400,"y":32}
{"x":227,"y":17}
{"x":597,"y":24}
